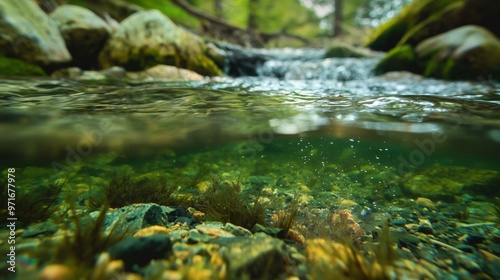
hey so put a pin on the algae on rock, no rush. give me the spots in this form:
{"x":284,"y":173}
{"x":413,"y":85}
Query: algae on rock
{"x":148,"y":38}
{"x":27,"y":33}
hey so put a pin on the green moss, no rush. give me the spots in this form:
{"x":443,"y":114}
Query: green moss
{"x":16,"y":67}
{"x":398,"y":59}
{"x":389,"y":34}
{"x":434,"y":24}
{"x":344,"y":50}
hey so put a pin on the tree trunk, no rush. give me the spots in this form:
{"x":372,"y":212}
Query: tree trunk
{"x":337,"y":18}
{"x":219,"y":9}
{"x":252,"y":14}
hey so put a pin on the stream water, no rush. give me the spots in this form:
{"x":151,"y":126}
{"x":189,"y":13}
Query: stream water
{"x":300,"y":123}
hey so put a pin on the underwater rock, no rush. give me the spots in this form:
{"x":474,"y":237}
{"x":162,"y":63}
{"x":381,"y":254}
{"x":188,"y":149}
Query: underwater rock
{"x":258,"y":258}
{"x":134,"y":217}
{"x":141,"y":250}
{"x":446,"y":182}
{"x":148,"y":38}
{"x":29,"y":34}
{"x":274,"y":232}
{"x":83,"y":31}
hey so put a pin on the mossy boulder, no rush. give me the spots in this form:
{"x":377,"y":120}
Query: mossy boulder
{"x":148,"y":38}
{"x":446,"y":182}
{"x":426,"y":18}
{"x":468,"y":52}
{"x":343,"y":50}
{"x":29,"y":34}
{"x":401,"y":58}
{"x":83,"y":31}
{"x":390,"y":33}
{"x":16,"y":67}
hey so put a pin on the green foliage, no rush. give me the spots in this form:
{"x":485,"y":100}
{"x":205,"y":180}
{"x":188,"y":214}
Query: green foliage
{"x":123,"y":190}
{"x":16,"y":67}
{"x":223,"y":202}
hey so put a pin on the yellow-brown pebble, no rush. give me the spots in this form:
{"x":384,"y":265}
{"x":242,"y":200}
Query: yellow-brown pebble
{"x":56,"y":272}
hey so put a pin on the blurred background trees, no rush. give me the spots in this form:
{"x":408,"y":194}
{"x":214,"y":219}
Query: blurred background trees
{"x":313,"y":20}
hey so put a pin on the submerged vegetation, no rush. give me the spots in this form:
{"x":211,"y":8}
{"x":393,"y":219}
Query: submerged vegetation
{"x":123,"y":190}
{"x":224,"y":202}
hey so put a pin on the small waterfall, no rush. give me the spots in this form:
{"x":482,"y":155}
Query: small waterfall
{"x":339,"y":69}
{"x":295,"y":64}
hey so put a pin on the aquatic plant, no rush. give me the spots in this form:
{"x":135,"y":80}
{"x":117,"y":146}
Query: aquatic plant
{"x":285,"y":218}
{"x":224,"y":202}
{"x":38,"y":203}
{"x":341,"y":260}
{"x":83,"y":240}
{"x":338,"y":226}
{"x":123,"y":190}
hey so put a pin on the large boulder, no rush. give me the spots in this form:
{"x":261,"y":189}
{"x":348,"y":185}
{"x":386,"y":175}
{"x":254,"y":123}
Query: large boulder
{"x":27,"y":33}
{"x":467,"y":52}
{"x":387,"y":36}
{"x":426,"y":18}
{"x":83,"y":31}
{"x":149,"y":38}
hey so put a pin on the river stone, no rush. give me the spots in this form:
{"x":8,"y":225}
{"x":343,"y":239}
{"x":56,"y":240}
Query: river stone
{"x":165,"y":73}
{"x":148,"y":38}
{"x":446,"y":182}
{"x":141,"y":250}
{"x":26,"y":32}
{"x":132,"y":218}
{"x":83,"y":31}
{"x":467,"y":52}
{"x":256,"y":258}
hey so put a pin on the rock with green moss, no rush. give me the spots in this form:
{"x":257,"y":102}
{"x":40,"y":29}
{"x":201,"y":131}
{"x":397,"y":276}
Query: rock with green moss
{"x":426,"y":18}
{"x":16,"y":67}
{"x":398,"y":59}
{"x":467,"y":52}
{"x":340,"y":50}
{"x":83,"y":31}
{"x":390,"y":33}
{"x":446,"y":182}
{"x":27,"y":33}
{"x":148,"y":38}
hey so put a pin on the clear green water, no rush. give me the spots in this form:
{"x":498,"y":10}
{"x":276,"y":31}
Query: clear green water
{"x":353,"y":136}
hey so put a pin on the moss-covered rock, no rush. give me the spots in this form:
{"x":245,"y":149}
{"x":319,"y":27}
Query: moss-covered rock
{"x":467,"y":52}
{"x":27,"y":33}
{"x":446,"y":182}
{"x":84,"y":33}
{"x":389,"y":34}
{"x":340,"y":50}
{"x":16,"y":67}
{"x":426,"y":18}
{"x":148,"y":38}
{"x":398,"y":59}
